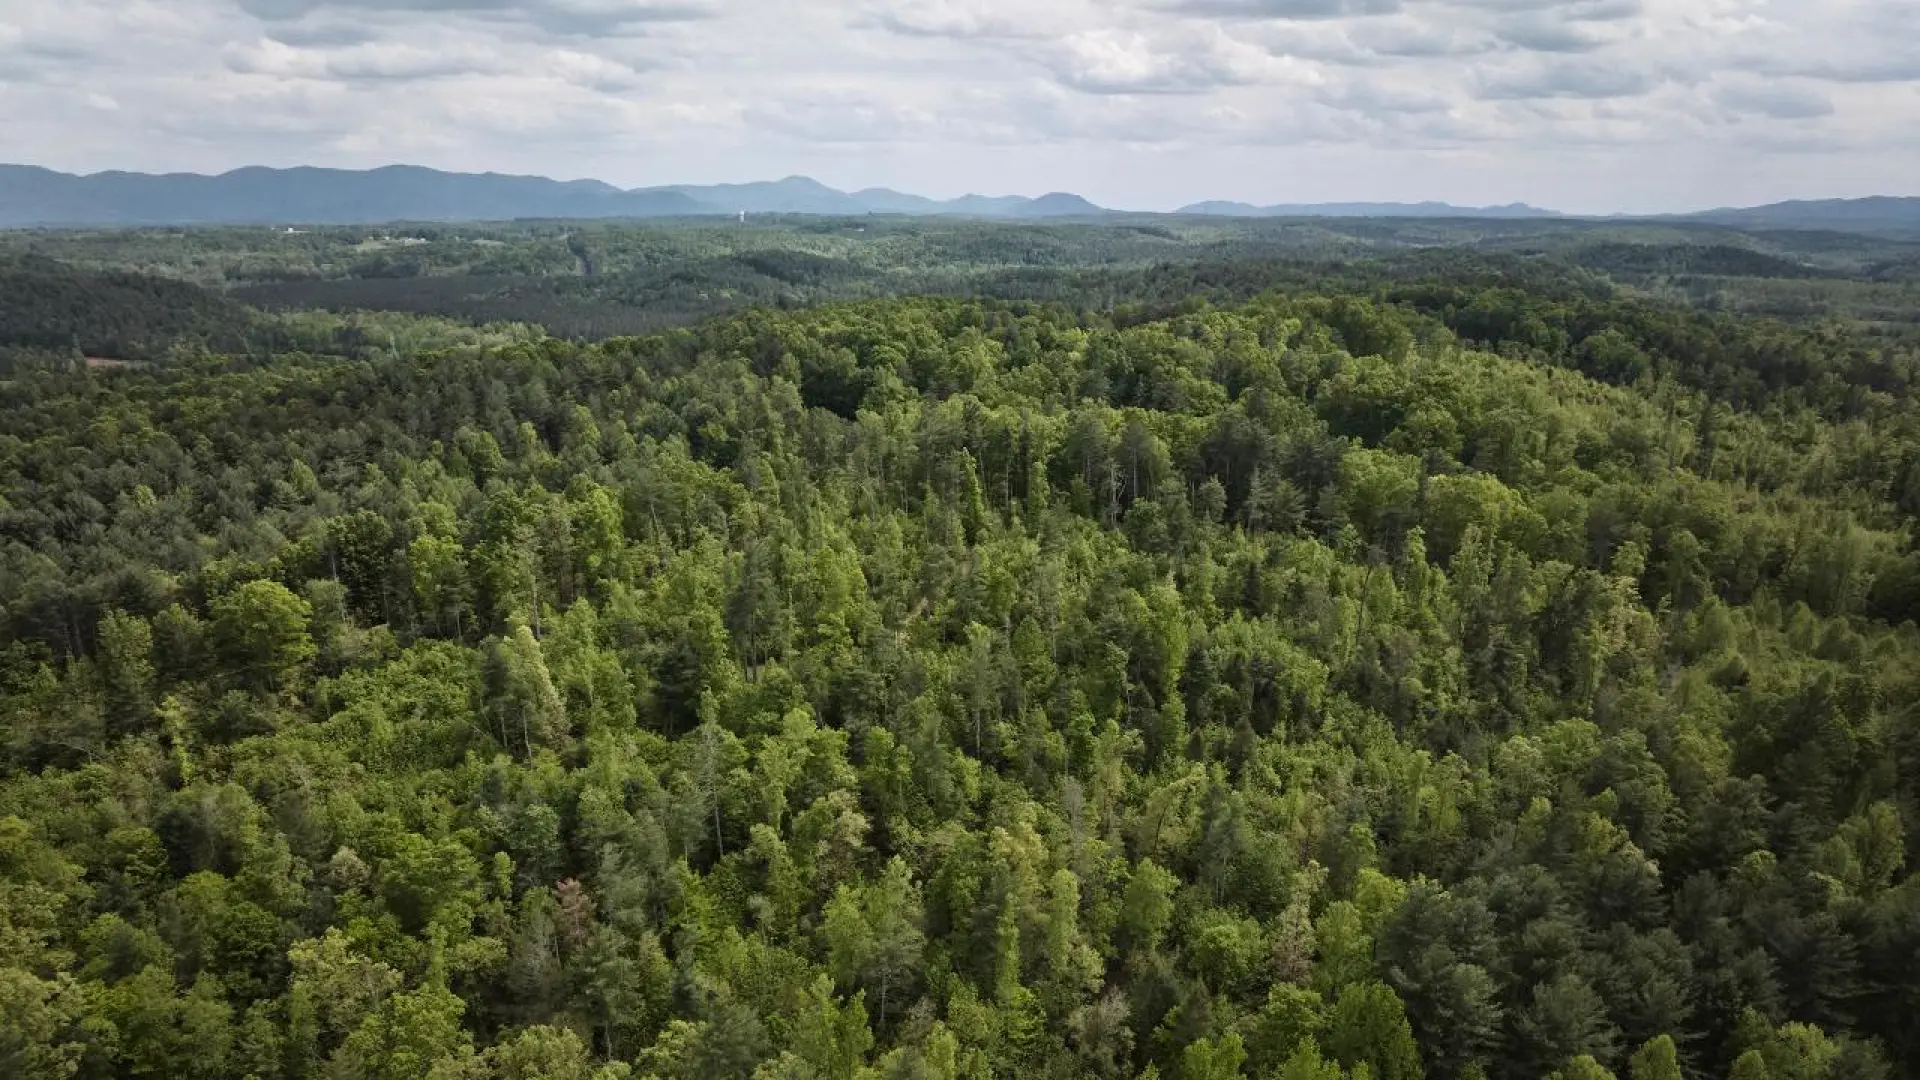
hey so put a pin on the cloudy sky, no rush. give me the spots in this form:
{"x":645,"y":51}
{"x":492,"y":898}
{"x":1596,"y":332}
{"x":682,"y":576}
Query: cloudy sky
{"x":1589,"y":105}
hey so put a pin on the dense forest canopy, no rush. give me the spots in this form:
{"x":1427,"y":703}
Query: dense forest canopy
{"x":594,"y":280}
{"x":1449,"y":666}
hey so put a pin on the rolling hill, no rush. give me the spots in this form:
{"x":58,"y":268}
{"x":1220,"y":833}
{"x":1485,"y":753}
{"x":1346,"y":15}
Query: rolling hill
{"x":1366,"y":209}
{"x":1877,"y":214}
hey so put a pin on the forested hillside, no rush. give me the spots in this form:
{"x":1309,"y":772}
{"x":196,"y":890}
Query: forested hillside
{"x":593,"y":280}
{"x":946,"y":688}
{"x":116,"y":315}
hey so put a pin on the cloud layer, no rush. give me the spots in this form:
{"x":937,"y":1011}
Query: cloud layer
{"x":1584,"y":105}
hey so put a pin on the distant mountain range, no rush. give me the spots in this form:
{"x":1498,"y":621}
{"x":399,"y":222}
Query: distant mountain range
{"x":1880,"y":213}
{"x":31,"y":196}
{"x":34,"y":196}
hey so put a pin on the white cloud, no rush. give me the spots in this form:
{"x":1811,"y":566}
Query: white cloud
{"x":971,"y":19}
{"x":1583,"y":104}
{"x":1540,"y":80}
{"x":1130,"y":62}
{"x":565,"y":16}
{"x":1774,"y":99}
{"x":1305,"y":10}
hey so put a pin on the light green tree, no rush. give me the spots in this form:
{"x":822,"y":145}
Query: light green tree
{"x":262,"y":633}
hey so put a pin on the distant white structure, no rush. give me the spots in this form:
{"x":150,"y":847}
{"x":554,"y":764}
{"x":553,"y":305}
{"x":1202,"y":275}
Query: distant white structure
{"x":743,"y":217}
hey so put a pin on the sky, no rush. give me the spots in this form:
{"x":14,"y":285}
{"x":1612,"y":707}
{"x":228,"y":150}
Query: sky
{"x":1588,"y":106}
